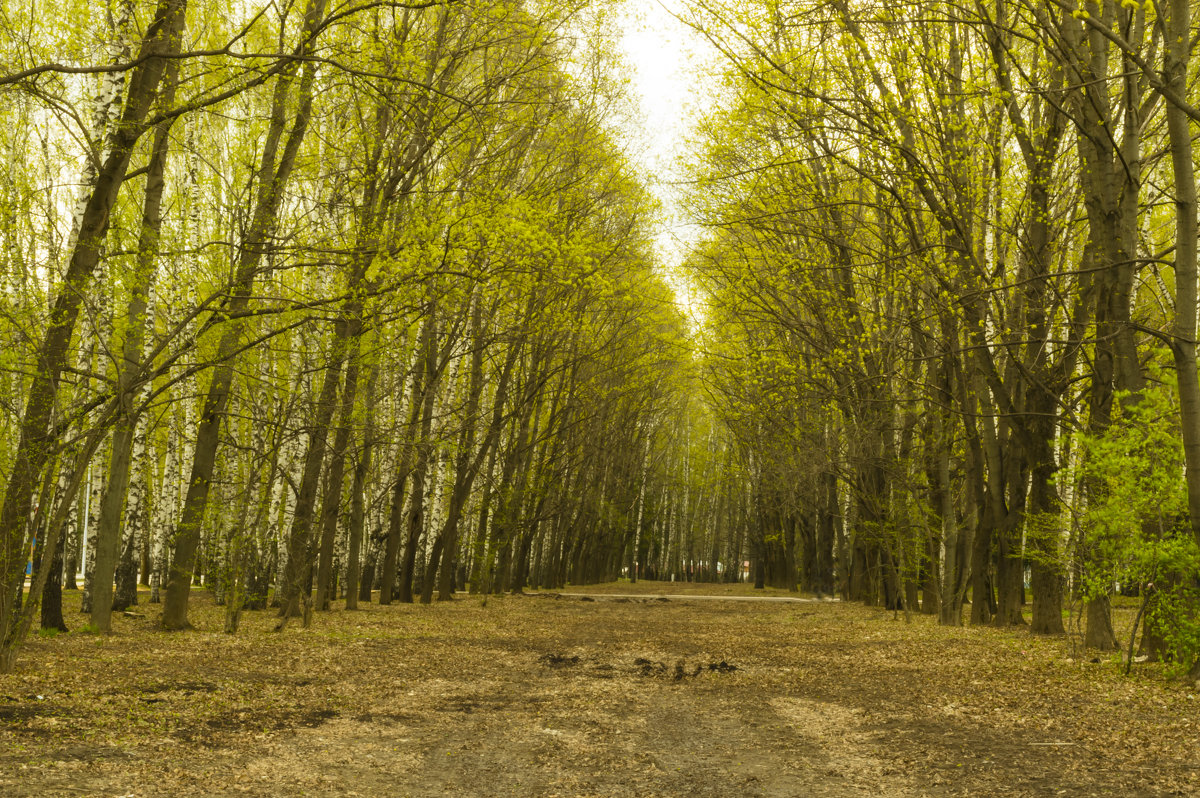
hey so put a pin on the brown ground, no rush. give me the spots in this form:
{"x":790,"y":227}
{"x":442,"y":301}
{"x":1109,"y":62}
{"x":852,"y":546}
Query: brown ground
{"x":545,"y":696}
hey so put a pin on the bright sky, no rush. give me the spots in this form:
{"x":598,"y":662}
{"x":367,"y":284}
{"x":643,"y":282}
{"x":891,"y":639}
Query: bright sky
{"x":671,"y":64}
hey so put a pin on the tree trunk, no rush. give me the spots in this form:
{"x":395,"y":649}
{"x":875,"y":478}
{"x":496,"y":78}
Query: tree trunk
{"x":125,"y":593}
{"x":1176,"y":54}
{"x":357,"y":499}
{"x":424,"y":451}
{"x":1099,"y":633}
{"x":109,"y":526}
{"x":334,"y":479}
{"x":52,"y":614}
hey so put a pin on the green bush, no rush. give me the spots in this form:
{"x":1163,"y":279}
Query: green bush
{"x":1136,"y":527}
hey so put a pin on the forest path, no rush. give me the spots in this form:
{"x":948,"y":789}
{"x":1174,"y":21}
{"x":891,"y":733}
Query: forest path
{"x":592,"y":729}
{"x":687,"y":597}
{"x":555,"y":696}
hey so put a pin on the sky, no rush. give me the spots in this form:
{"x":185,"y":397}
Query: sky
{"x":670,"y":65}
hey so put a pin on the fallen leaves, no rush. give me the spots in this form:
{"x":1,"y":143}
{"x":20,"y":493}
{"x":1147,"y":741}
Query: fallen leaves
{"x":609,"y":697}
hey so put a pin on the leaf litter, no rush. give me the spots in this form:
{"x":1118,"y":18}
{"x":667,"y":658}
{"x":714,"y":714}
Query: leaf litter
{"x":575,"y":698}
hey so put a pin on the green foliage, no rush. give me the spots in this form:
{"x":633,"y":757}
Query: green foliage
{"x":1136,"y":528}
{"x":1137,"y":496}
{"x":1173,"y":613}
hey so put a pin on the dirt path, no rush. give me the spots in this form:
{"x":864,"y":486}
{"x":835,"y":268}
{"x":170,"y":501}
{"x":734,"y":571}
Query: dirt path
{"x":562,"y":697}
{"x":687,"y":597}
{"x":585,"y":733}
{"x":595,"y":727}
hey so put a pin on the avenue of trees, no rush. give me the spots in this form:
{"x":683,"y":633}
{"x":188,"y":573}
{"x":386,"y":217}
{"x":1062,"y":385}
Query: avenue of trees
{"x":354,"y":300}
{"x":306,"y":299}
{"x":950,"y":293}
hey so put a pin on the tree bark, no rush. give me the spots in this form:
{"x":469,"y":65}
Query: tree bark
{"x":1176,"y":54}
{"x":357,"y":500}
{"x":334,"y":479}
{"x":415,"y":520}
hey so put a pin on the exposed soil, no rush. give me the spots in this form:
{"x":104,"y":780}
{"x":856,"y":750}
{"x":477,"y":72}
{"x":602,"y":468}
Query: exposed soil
{"x":556,"y":696}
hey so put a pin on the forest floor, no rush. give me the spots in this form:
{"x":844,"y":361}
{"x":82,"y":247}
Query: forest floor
{"x":550,"y":695}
